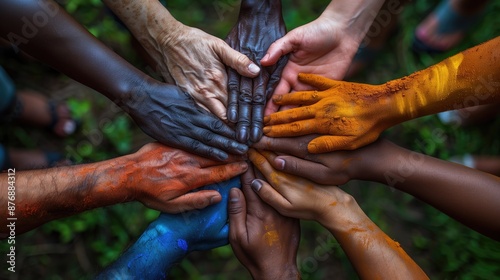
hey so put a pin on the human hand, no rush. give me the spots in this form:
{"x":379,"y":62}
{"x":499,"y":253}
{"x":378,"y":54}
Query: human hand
{"x":196,"y":61}
{"x":324,"y":47}
{"x":347,"y":115}
{"x":300,"y":198}
{"x":172,"y":117}
{"x":201,"y":229}
{"x":263,"y":240}
{"x":334,"y":168}
{"x":259,"y":24}
{"x":162,"y":178}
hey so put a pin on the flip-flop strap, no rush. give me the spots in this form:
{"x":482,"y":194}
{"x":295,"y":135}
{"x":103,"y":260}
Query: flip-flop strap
{"x":450,"y":21}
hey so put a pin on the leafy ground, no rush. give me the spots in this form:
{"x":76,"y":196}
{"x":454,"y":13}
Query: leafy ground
{"x":78,"y":247}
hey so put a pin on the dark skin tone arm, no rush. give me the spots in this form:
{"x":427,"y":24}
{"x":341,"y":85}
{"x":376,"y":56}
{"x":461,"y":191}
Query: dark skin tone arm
{"x":467,"y":195}
{"x":260,"y":23}
{"x":373,"y":254}
{"x":162,"y":111}
{"x":264,"y":241}
{"x":158,"y":176}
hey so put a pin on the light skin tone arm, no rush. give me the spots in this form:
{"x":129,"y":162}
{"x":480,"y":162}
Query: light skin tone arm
{"x":262,"y":239}
{"x":351,"y":115}
{"x":158,"y":176}
{"x":192,"y":59}
{"x":373,"y":254}
{"x":170,"y":238}
{"x":465,"y":194}
{"x":162,"y":111}
{"x":325,"y":46}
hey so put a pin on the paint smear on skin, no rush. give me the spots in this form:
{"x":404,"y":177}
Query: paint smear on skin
{"x":182,"y":244}
{"x":271,"y":237}
{"x":347,"y":162}
{"x":333,"y":203}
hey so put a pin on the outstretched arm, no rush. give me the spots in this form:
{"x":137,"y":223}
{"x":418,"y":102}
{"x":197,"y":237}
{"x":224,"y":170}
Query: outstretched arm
{"x":170,"y":238}
{"x":324,"y":46}
{"x":192,"y":59}
{"x":373,"y":254}
{"x":467,"y":195}
{"x":351,"y":115}
{"x":158,"y":176}
{"x":48,"y":33}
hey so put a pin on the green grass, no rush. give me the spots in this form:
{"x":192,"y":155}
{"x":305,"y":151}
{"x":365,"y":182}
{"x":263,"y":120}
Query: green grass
{"x":78,"y":247}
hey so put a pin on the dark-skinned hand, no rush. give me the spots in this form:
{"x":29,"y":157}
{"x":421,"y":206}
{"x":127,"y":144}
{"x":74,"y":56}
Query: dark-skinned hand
{"x":262,"y":239}
{"x":260,"y":23}
{"x":172,"y":117}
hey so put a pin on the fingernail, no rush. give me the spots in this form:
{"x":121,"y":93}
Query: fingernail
{"x":280,"y":163}
{"x":266,"y":57}
{"x":253,"y":68}
{"x":256,"y":185}
{"x":267,"y":119}
{"x":234,"y":196}
{"x":266,"y":130}
{"x":277,"y":98}
{"x":243,"y":135}
{"x":244,"y":165}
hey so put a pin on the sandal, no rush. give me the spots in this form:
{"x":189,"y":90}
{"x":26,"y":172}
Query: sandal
{"x":448,"y":23}
{"x":57,"y":117}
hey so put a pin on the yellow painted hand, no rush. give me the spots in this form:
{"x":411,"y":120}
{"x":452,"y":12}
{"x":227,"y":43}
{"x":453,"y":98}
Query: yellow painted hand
{"x":347,"y":115}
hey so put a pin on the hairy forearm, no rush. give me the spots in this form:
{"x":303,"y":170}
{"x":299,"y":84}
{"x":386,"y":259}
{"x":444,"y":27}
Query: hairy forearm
{"x":467,"y":195}
{"x":64,"y":44}
{"x":469,"y":78}
{"x":45,"y":195}
{"x":373,"y":254}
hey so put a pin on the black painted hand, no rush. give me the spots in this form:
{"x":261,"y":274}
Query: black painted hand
{"x":172,"y":117}
{"x":260,"y":23}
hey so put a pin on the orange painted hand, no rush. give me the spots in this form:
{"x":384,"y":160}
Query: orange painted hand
{"x":262,"y":239}
{"x":162,"y":178}
{"x":346,"y":115}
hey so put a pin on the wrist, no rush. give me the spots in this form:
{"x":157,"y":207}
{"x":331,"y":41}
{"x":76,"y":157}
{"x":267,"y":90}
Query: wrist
{"x":287,"y":271}
{"x":355,"y":16}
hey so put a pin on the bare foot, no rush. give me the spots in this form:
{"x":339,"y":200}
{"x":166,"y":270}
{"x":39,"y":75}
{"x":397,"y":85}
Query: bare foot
{"x":448,"y":24}
{"x":37,"y":111}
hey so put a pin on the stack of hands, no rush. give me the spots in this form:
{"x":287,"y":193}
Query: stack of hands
{"x":320,"y":135}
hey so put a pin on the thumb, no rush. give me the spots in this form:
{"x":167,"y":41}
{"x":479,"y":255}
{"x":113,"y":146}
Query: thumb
{"x":278,"y":49}
{"x":236,"y":60}
{"x":237,"y":215}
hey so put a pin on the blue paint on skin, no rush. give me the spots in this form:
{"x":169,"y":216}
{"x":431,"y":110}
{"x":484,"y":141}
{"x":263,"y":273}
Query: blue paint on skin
{"x":182,"y":244}
{"x":129,"y":264}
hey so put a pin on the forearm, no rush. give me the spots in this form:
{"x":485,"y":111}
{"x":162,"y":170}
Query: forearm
{"x":357,"y":16}
{"x":44,"y":195}
{"x":373,"y":254}
{"x":148,"y":20}
{"x":64,"y":44}
{"x":151,"y":257}
{"x":467,"y":195}
{"x":469,"y":78}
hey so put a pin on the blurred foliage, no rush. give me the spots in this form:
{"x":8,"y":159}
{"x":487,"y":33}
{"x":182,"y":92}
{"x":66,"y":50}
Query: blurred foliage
{"x":79,"y":246}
